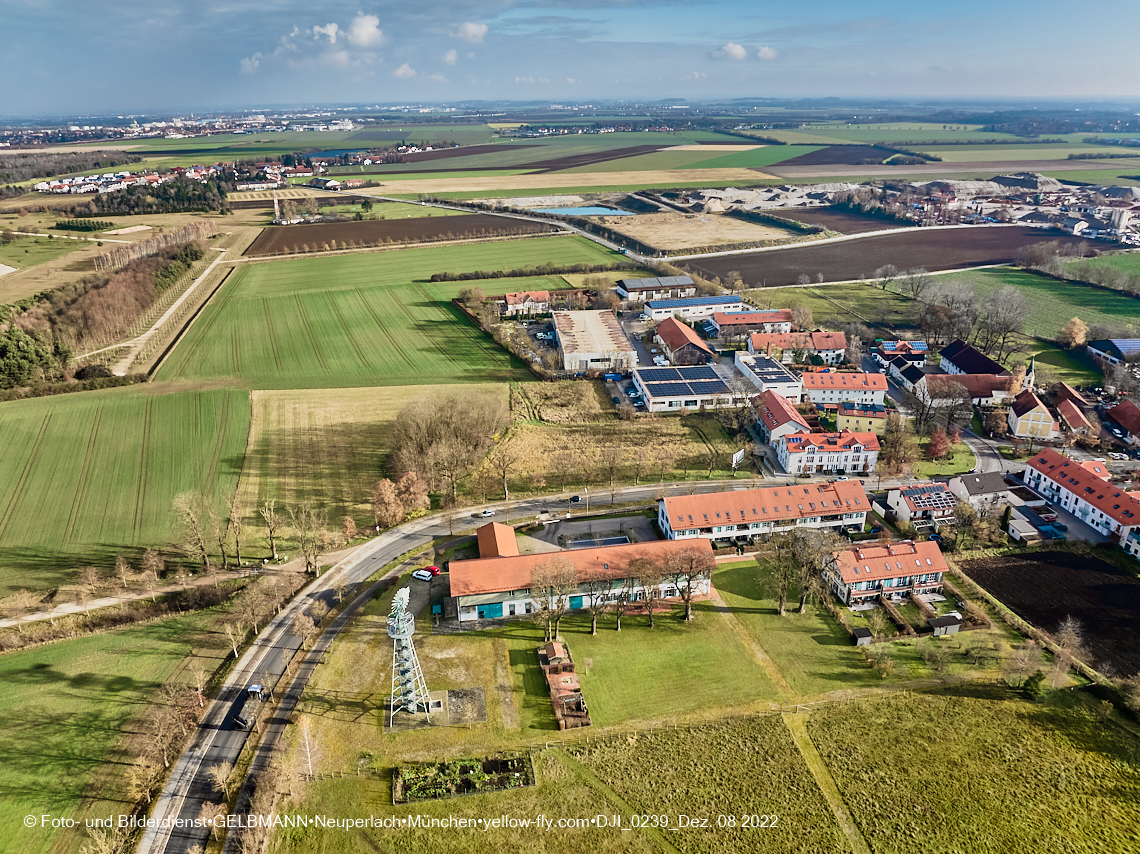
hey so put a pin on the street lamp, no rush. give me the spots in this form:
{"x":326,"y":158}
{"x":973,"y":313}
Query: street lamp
{"x":587,"y":491}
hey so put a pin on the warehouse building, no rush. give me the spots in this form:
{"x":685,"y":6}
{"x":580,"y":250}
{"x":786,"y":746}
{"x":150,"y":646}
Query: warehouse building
{"x":593,"y":341}
{"x":691,"y":308}
{"x":660,"y":288}
{"x":674,"y":389}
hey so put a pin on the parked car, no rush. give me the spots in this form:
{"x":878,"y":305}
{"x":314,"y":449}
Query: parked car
{"x":1060,"y":527}
{"x":1048,"y":514}
{"x":617,"y":400}
{"x":575,"y":499}
{"x":1119,"y":456}
{"x":486,"y":514}
{"x":422,"y":575}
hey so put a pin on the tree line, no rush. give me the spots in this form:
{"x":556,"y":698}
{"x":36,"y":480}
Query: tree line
{"x":28,"y":166}
{"x":123,"y":254}
{"x":177,"y":196}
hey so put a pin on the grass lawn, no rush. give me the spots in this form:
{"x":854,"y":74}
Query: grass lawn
{"x":1127,"y":261}
{"x":1005,"y":771}
{"x":958,"y":459}
{"x":67,"y":708}
{"x":1056,"y":365}
{"x":26,"y":252}
{"x":327,"y":446}
{"x":833,"y":304}
{"x":363,"y":319}
{"x":85,"y":476}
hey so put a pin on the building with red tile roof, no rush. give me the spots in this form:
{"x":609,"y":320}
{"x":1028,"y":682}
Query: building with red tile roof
{"x":817,"y":453}
{"x":829,"y":346}
{"x":493,"y":587}
{"x":748,"y":513}
{"x":525,"y":302}
{"x":497,"y":540}
{"x":1127,"y":415}
{"x":681,"y":343}
{"x":894,"y":570}
{"x":984,"y":389}
{"x":1072,"y":417}
{"x":776,"y":417}
{"x":1030,"y":418}
{"x":1084,"y":490}
{"x":728,"y":323}
{"x":835,"y":387}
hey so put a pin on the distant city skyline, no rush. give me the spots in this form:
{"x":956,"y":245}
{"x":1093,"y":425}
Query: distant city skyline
{"x":137,"y":56}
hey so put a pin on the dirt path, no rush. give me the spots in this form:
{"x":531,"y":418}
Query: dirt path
{"x":786,"y":692}
{"x":505,"y":687}
{"x":584,"y":774}
{"x":797,"y":726}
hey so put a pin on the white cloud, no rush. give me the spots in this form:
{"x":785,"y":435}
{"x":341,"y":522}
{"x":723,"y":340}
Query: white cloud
{"x":767,"y":53}
{"x":437,"y":78}
{"x":571,"y":80}
{"x":364,"y":31}
{"x":469,"y":32}
{"x":732,"y":50}
{"x":404,"y":72}
{"x":329,"y":30}
{"x":250,"y":63}
{"x":524,"y":79}
{"x":450,"y":57}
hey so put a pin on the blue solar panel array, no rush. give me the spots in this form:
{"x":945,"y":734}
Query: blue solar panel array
{"x":688,"y":301}
{"x":690,"y":381}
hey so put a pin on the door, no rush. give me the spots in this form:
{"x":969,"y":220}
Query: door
{"x":491,"y":611}
{"x":576,"y":603}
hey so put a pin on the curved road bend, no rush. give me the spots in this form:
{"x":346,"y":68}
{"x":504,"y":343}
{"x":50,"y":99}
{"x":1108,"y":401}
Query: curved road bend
{"x":216,"y":741}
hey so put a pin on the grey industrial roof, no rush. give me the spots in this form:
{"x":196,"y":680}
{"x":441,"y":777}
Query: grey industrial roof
{"x":654,"y":283}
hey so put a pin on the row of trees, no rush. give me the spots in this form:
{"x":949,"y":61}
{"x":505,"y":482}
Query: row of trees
{"x":554,"y":581}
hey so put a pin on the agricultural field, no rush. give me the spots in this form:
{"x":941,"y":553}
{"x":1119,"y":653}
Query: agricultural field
{"x":360,"y":319}
{"x":683,"y":231}
{"x":1047,"y":587}
{"x":90,"y":475}
{"x":839,"y":221}
{"x":327,"y":446}
{"x":844,"y":260}
{"x":740,"y":768}
{"x":983,"y":771}
{"x":68,"y":708}
{"x":1129,"y":262}
{"x":346,"y":235}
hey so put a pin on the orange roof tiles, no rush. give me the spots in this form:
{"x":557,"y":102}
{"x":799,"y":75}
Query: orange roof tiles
{"x":501,"y":574}
{"x":831,"y":379}
{"x":872,"y":563}
{"x":772,"y":504}
{"x":800,"y":442}
{"x":497,"y":540}
{"x":1072,"y":415}
{"x":1085,"y":481}
{"x":774,"y":410}
{"x":676,"y":334}
{"x":752,"y":318}
{"x":798,"y":341}
{"x":523,"y":297}
{"x":1127,"y":415}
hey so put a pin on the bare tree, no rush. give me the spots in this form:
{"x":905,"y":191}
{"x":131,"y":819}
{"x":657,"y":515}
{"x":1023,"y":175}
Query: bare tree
{"x":236,"y":524}
{"x":801,"y":317}
{"x":387,"y":508}
{"x":235,"y":634}
{"x":814,"y":550}
{"x":189,"y":515}
{"x":143,"y":778}
{"x":503,"y":459}
{"x":89,"y":585}
{"x":598,"y":599}
{"x":623,"y":597}
{"x":220,"y":533}
{"x":273,"y":522}
{"x":1001,"y":319}
{"x":915,"y":282}
{"x":123,"y":571}
{"x":1070,"y":638}
{"x":688,"y":570}
{"x":222,"y":779}
{"x":783,"y":569}
{"x":649,"y":578}
{"x":201,"y":678}
{"x":610,"y":459}
{"x":1073,"y":334}
{"x":558,"y":577}
{"x":308,"y":524}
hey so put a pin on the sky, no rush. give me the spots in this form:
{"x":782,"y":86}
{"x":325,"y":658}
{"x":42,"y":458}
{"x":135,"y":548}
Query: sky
{"x":69,"y":57}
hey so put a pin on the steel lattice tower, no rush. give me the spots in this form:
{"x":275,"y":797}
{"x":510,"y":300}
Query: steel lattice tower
{"x":409,"y":690}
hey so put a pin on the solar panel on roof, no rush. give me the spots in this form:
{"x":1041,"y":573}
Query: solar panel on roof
{"x":656,"y":375}
{"x":668,"y":389}
{"x":708,"y":387}
{"x":697,"y":372}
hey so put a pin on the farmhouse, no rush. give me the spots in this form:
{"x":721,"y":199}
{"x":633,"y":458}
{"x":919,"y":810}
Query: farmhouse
{"x":914,"y":352}
{"x":816,"y":453}
{"x":1073,"y":419}
{"x":1127,"y":416}
{"x":1114,"y":351}
{"x":692,"y":387}
{"x":769,"y":375}
{"x":728,"y":324}
{"x":592,"y":341}
{"x":1030,"y":418}
{"x":982,"y":389}
{"x":958,"y":357}
{"x":830,"y":347}
{"x":776,"y":417}
{"x":494,"y":586}
{"x":690,"y":308}
{"x":524,"y":302}
{"x":823,"y":388}
{"x":662,"y":288}
{"x":681,"y":343}
{"x":749,"y":513}
{"x":893,"y":571}
{"x":1084,"y":490}
{"x":861,"y":418}
{"x":924,"y":505}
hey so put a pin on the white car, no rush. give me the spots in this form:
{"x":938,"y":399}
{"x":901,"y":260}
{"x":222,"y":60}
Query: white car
{"x":1119,"y":456}
{"x":422,"y":575}
{"x":486,"y":514}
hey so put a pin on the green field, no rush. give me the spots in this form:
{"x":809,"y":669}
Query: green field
{"x":29,"y":251}
{"x":68,"y":708}
{"x":984,"y":773}
{"x":1129,"y":262}
{"x":86,"y":476}
{"x":360,"y":320}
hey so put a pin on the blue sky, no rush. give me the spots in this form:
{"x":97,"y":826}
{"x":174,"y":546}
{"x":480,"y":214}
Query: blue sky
{"x":79,"y":56}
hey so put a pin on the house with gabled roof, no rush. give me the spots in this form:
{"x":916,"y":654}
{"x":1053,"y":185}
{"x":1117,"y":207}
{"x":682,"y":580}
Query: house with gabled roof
{"x":893,"y":571}
{"x":525,"y":302}
{"x":835,"y":387}
{"x":1030,"y":418}
{"x":1083,"y":489}
{"x":818,"y":453}
{"x":1073,"y":419}
{"x":1127,"y":416}
{"x":681,"y":343}
{"x":958,"y":357}
{"x":924,"y":505}
{"x":776,"y":417}
{"x":830,"y":347}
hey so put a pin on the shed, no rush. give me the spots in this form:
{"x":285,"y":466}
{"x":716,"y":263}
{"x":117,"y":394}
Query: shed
{"x":862,"y":636}
{"x":948,"y":625}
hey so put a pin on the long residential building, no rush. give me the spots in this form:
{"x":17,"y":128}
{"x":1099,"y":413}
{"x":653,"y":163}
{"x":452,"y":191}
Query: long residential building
{"x":834,"y":388}
{"x":499,"y":586}
{"x":893,"y":571}
{"x":728,"y":323}
{"x":1083,"y":488}
{"x":748,"y":513}
{"x":786,"y":346}
{"x":820,"y":453}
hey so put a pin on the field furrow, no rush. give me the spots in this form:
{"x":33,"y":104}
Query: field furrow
{"x":22,"y":482}
{"x":302,"y":313}
{"x":89,"y":452}
{"x":271,"y":333}
{"x":348,"y":336}
{"x":140,"y":485}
